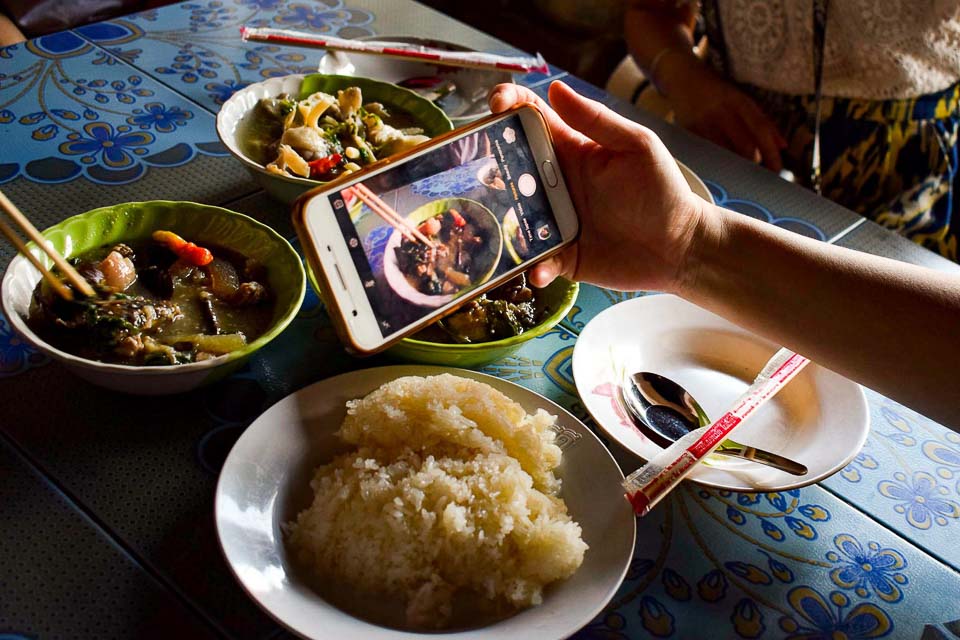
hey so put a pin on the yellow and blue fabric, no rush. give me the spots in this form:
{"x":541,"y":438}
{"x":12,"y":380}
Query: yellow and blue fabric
{"x":893,"y":161}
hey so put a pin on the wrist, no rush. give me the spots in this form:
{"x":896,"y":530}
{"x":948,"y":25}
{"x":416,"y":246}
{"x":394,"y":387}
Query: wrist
{"x":673,"y":71}
{"x":706,"y":240}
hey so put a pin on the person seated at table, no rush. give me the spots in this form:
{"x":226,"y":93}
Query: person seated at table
{"x":889,"y":325}
{"x":890,"y":106}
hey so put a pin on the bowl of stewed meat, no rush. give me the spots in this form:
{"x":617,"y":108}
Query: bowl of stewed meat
{"x":184,"y":294}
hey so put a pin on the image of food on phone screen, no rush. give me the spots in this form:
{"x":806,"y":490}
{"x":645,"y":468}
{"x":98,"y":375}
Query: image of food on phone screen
{"x":439,"y":226}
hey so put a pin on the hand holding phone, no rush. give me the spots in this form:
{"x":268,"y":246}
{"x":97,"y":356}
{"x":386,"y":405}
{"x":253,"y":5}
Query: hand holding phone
{"x":399,"y":246}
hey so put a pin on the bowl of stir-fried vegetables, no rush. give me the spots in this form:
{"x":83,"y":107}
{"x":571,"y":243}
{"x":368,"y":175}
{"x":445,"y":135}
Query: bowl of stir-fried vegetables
{"x":490,"y":326}
{"x":184,"y":294}
{"x":298,"y":131}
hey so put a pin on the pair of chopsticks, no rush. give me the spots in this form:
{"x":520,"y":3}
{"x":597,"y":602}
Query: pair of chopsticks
{"x":78,"y":281}
{"x":391,"y":217}
{"x":403,"y":51}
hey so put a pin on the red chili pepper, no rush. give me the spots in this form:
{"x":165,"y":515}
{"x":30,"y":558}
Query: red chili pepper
{"x":186,"y":251}
{"x":458,"y":220}
{"x":320,"y":167}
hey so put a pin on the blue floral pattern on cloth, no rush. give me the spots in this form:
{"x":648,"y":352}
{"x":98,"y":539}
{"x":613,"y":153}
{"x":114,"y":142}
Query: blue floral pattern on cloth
{"x":16,"y":355}
{"x":112,"y":127}
{"x":818,"y":618}
{"x":908,"y":476}
{"x":921,"y":499}
{"x":868,"y":570}
{"x":160,"y":117}
{"x":760,"y":212}
{"x":195,"y":48}
{"x":109,"y":128}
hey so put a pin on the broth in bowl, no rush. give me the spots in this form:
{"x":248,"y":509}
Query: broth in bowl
{"x":160,"y":302}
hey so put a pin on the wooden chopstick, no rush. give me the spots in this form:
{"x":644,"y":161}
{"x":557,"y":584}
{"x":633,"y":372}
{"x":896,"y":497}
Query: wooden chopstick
{"x":54,"y":281}
{"x":393,"y":218}
{"x":386,"y":212}
{"x":78,"y":281}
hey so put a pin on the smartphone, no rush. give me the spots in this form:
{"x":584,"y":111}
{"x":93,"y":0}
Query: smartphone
{"x":401,"y":244}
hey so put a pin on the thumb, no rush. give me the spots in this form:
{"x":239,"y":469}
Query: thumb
{"x":602,"y":125}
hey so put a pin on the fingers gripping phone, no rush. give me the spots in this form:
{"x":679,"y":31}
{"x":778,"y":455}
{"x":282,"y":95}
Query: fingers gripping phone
{"x":400,"y":246}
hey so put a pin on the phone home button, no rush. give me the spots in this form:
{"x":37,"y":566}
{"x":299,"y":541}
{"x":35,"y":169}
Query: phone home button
{"x":549,"y":173}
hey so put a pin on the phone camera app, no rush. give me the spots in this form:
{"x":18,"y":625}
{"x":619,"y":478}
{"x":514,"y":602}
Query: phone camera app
{"x":436,"y":228}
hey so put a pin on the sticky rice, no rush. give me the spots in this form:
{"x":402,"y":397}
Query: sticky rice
{"x":451,"y":489}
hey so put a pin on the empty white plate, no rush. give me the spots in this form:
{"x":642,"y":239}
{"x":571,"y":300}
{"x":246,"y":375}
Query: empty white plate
{"x":820,"y":419}
{"x":265,"y":483}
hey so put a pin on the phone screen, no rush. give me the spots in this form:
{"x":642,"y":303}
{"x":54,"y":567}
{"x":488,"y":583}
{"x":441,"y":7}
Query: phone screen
{"x":477,"y":201}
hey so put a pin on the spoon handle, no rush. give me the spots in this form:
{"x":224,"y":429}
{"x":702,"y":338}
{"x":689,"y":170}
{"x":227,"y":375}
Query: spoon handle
{"x":646,"y":486}
{"x":761,"y":456}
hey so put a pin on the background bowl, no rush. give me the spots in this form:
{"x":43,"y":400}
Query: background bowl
{"x":484,"y":263}
{"x":288,"y":188}
{"x":559,"y":297}
{"x":134,"y":221}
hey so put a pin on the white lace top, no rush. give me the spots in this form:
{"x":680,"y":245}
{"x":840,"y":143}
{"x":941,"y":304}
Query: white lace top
{"x":878,"y":49}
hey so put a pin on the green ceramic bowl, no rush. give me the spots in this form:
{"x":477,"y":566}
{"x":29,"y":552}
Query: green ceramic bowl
{"x":484,"y":263}
{"x":136,"y":221}
{"x":427,"y":115}
{"x":559,"y":296}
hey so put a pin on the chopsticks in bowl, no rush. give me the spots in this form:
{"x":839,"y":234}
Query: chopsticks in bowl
{"x":71,"y":274}
{"x":392,"y":218}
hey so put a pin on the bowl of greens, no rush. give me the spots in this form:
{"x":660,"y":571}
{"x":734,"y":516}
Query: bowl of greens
{"x":491,"y":326}
{"x":185,"y":293}
{"x":296,"y":132}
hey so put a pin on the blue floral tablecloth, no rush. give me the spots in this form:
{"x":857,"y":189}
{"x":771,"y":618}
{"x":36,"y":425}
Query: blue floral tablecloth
{"x":127,"y":107}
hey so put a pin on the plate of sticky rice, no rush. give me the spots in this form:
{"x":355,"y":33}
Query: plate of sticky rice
{"x":399,"y":501}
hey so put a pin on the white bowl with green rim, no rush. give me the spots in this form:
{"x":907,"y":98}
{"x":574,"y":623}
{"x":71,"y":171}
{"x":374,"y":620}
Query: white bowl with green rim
{"x":133,"y":221}
{"x":286,"y":189}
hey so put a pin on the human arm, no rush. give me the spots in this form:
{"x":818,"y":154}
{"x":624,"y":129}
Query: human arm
{"x":889,"y":325}
{"x":660,"y":34}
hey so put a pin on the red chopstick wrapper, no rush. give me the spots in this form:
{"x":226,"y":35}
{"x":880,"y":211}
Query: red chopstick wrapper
{"x":473,"y":59}
{"x":646,"y":486}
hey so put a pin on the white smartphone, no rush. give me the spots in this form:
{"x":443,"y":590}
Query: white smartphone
{"x":399,"y":246}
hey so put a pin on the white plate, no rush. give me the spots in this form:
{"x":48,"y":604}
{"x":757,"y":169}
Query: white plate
{"x":467,"y":101}
{"x":820,"y":419}
{"x":696,"y":184}
{"x":265,"y":482}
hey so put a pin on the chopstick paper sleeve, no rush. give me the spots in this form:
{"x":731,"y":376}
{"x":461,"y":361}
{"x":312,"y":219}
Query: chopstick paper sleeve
{"x":646,"y":486}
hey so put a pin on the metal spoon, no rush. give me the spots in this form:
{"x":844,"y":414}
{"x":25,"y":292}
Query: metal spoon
{"x":665,"y":411}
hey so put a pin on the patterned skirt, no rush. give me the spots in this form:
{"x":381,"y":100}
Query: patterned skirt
{"x":894,"y":161}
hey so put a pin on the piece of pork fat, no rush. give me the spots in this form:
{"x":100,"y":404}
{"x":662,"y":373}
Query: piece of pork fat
{"x":118,"y":271}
